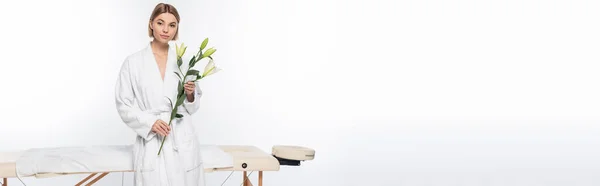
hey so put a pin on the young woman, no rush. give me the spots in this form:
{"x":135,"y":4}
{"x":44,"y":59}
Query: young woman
{"x":145,"y":81}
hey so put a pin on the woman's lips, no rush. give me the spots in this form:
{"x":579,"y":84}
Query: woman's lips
{"x":164,"y":36}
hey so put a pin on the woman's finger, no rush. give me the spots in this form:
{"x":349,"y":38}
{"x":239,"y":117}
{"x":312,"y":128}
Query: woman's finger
{"x":166,"y":129}
{"x":159,"y":131}
{"x":162,"y":133}
{"x":166,"y":126}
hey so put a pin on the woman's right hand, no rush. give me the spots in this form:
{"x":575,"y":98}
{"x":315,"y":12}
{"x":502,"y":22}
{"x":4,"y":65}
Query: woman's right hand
{"x":160,"y":127}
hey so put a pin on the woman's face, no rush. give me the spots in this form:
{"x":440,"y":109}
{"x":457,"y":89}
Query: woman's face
{"x":164,"y":27}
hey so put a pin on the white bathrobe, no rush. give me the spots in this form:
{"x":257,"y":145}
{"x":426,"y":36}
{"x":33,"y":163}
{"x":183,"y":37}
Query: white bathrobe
{"x":141,"y":99}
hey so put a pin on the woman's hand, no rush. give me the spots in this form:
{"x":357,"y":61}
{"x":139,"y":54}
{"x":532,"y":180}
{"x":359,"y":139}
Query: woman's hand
{"x":160,"y":127}
{"x":190,"y":87}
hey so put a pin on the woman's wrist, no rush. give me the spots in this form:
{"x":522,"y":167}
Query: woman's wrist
{"x":190,"y":97}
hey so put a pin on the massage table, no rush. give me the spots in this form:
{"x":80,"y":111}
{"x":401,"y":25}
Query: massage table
{"x":216,"y":157}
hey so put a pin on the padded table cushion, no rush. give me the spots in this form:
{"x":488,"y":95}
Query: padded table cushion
{"x":293,"y":152}
{"x":249,"y":158}
{"x":7,"y":164}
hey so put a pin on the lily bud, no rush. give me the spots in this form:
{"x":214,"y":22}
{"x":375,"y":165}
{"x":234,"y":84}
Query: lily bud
{"x":209,"y":52}
{"x":203,"y":44}
{"x":180,"y":50}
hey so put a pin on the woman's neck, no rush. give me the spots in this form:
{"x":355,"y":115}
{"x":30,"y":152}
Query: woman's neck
{"x":158,"y":47}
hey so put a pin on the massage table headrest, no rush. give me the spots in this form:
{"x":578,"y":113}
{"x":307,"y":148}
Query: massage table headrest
{"x":292,"y":155}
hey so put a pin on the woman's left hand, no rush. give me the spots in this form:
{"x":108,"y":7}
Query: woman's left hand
{"x":189,"y":87}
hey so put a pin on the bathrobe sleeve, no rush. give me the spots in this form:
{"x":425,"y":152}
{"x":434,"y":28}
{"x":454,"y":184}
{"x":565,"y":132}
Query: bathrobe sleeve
{"x":192,"y":107}
{"x":139,"y":121}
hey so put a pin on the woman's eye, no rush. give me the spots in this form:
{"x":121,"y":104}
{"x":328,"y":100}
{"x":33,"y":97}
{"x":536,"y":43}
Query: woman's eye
{"x":159,"y":23}
{"x":172,"y":26}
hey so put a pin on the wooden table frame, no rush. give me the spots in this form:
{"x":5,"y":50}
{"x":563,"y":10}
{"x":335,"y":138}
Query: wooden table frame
{"x":247,"y":182}
{"x":91,"y":176}
{"x":98,"y":176}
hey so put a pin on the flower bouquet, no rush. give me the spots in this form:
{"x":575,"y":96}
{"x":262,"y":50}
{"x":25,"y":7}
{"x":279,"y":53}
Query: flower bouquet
{"x":195,"y":74}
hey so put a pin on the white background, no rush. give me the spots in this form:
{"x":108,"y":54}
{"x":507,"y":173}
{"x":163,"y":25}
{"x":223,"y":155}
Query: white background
{"x":415,"y":92}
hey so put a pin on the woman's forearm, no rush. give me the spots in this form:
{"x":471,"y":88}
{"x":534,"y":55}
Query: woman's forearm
{"x":190,"y":97}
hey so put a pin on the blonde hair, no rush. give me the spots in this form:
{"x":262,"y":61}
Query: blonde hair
{"x":163,"y":8}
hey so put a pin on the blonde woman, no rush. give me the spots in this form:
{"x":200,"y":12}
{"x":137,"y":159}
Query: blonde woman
{"x":145,"y":81}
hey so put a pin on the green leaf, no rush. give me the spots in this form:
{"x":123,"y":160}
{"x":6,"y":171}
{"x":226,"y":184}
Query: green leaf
{"x":199,"y":77}
{"x":178,"y":115}
{"x":180,"y":100}
{"x":191,"y":63}
{"x":179,"y":62}
{"x":173,"y":114}
{"x":209,"y":52}
{"x":204,"y":43}
{"x":192,"y":72}
{"x":179,"y":76}
{"x":179,"y":88}
{"x":180,"y":93}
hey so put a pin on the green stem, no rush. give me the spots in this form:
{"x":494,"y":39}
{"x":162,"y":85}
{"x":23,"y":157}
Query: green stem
{"x":170,"y":120}
{"x":174,"y":109}
{"x":163,"y":141}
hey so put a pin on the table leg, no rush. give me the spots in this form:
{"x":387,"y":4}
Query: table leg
{"x":260,"y":176}
{"x":90,"y":177}
{"x":86,"y":179}
{"x":97,"y":178}
{"x":246,"y":180}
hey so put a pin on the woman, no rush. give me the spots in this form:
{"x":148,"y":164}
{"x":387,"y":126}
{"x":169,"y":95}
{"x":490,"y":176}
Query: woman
{"x":145,"y":81}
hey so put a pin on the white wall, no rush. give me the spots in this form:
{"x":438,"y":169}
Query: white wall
{"x":428,"y":93}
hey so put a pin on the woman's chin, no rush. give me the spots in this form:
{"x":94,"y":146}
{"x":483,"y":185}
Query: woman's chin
{"x":161,"y":40}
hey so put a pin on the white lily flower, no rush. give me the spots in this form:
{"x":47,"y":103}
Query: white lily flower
{"x":210,"y":69}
